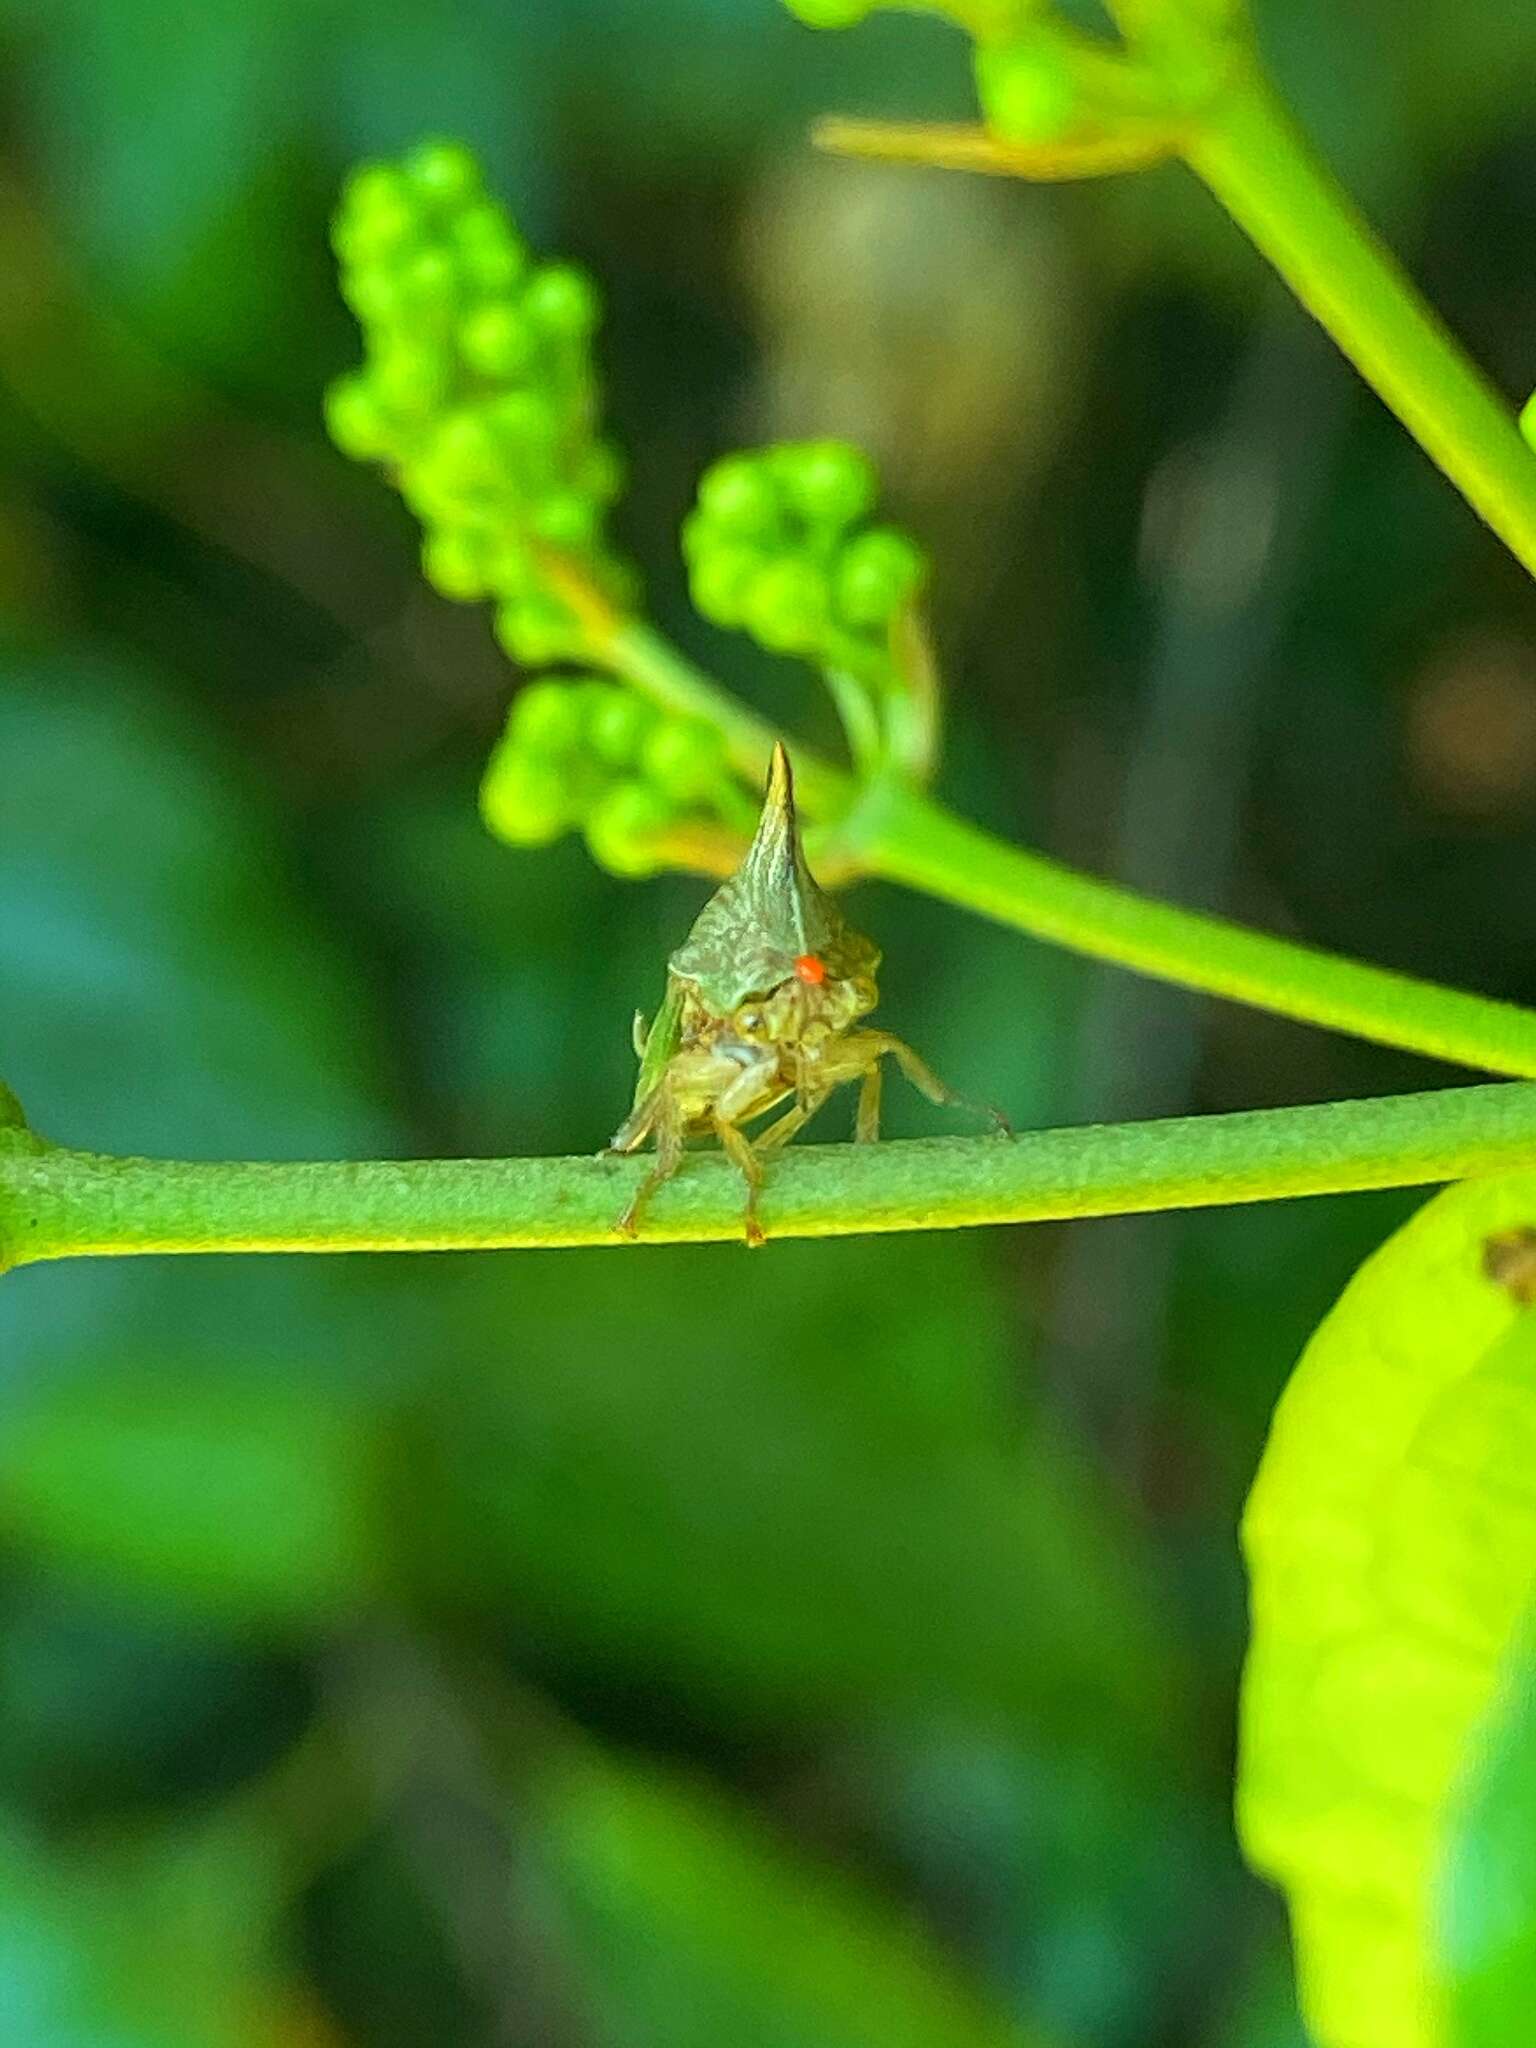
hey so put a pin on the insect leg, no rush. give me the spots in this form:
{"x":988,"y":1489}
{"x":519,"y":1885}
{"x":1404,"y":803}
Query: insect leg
{"x":640,"y":1122}
{"x":921,"y":1075}
{"x":866,"y":1124}
{"x":669,"y":1156}
{"x":749,"y":1166}
{"x":784,"y":1128}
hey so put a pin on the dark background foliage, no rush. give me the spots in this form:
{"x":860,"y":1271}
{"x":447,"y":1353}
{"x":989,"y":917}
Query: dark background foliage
{"x":827,"y":1648}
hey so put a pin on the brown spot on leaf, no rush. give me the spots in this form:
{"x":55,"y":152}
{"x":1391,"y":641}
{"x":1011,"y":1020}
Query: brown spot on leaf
{"x":1509,"y":1259}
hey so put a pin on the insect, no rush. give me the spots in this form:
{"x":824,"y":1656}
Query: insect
{"x":762,"y":1010}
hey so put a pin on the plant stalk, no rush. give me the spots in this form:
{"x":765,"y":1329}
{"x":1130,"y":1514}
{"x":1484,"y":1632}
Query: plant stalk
{"x":58,"y":1204}
{"x":1261,"y":168}
{"x":916,"y":842}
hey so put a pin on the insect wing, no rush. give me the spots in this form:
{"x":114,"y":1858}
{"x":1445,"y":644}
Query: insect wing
{"x":661,"y":1041}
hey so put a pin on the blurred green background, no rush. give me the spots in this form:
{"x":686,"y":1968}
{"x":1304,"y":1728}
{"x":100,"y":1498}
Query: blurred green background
{"x":828,"y":1649}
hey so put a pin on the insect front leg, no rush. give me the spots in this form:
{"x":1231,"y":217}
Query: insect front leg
{"x":659,"y":1112}
{"x":753,"y":1089}
{"x":640,"y":1122}
{"x":750,"y":1167}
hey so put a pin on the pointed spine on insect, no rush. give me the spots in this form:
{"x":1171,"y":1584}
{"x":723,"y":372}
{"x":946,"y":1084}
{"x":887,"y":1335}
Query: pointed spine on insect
{"x":761,"y":1012}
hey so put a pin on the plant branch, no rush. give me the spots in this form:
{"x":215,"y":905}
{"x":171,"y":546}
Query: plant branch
{"x":57,"y":1204}
{"x":914,"y":841}
{"x":1263,"y":171}
{"x":903,"y":836}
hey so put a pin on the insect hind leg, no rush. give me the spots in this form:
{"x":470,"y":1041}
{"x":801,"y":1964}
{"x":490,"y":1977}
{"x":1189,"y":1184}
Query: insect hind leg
{"x":866,"y":1124}
{"x":875,"y":1045}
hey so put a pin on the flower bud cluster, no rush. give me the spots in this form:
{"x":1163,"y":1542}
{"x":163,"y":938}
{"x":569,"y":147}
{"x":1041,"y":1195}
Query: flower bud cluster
{"x":477,"y":391}
{"x":582,"y":754}
{"x":780,"y":544}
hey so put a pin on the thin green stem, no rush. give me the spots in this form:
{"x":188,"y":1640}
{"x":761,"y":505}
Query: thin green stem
{"x":906,"y":837}
{"x":1263,"y":171}
{"x":58,"y":1204}
{"x":915,"y":842}
{"x":657,"y":669}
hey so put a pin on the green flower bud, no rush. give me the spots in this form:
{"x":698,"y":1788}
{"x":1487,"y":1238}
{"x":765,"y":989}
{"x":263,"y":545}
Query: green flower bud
{"x":454,"y":563}
{"x":562,"y":300}
{"x":529,"y":430}
{"x":523,"y":799}
{"x":829,"y":483}
{"x":566,"y":520}
{"x":546,"y":719}
{"x":600,"y":473}
{"x":466,"y":451}
{"x":787,"y":606}
{"x":375,"y":296}
{"x":1026,"y":88}
{"x":685,"y":758}
{"x":432,"y":497}
{"x":876,"y":574}
{"x":378,"y":214}
{"x":490,"y":253}
{"x":623,"y":826}
{"x":445,"y":173}
{"x":409,"y":380}
{"x":617,"y":726}
{"x":355,"y":420}
{"x":430,"y":287}
{"x":831,"y":13}
{"x":719,"y":580}
{"x":377,"y":240}
{"x":536,"y":629}
{"x":496,"y":340}
{"x":510,"y":569}
{"x":737,"y":497}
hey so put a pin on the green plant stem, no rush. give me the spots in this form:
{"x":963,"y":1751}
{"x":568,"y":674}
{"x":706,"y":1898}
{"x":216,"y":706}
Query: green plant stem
{"x":657,"y":669}
{"x":1263,"y":171}
{"x":907,"y":837}
{"x":57,"y":1204}
{"x":915,"y":842}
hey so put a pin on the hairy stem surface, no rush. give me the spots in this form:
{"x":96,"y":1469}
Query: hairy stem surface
{"x":57,"y":1204}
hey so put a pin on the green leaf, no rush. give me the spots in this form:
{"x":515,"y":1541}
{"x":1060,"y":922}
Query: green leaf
{"x":145,"y":1940}
{"x":1391,"y":1539}
{"x":701,"y":1928}
{"x":1487,"y":1876}
{"x":783,"y":1464}
{"x":246,"y":1501}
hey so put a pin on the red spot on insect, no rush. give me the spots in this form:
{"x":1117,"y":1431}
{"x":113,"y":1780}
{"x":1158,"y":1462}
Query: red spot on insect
{"x":812,"y":969}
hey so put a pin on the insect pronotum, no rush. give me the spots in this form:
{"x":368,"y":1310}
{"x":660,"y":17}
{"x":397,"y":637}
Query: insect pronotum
{"x":762,"y":1011}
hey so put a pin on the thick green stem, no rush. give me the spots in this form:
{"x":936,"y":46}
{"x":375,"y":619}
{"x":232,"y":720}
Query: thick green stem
{"x":915,"y":842}
{"x":1264,"y":173}
{"x":57,"y":1204}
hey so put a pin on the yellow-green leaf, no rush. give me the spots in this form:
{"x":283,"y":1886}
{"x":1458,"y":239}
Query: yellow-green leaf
{"x":1391,"y":1543}
{"x":1486,"y":1883}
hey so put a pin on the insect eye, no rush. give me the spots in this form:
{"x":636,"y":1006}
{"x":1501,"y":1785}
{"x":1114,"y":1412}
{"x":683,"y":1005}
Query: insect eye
{"x":749,"y":1022}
